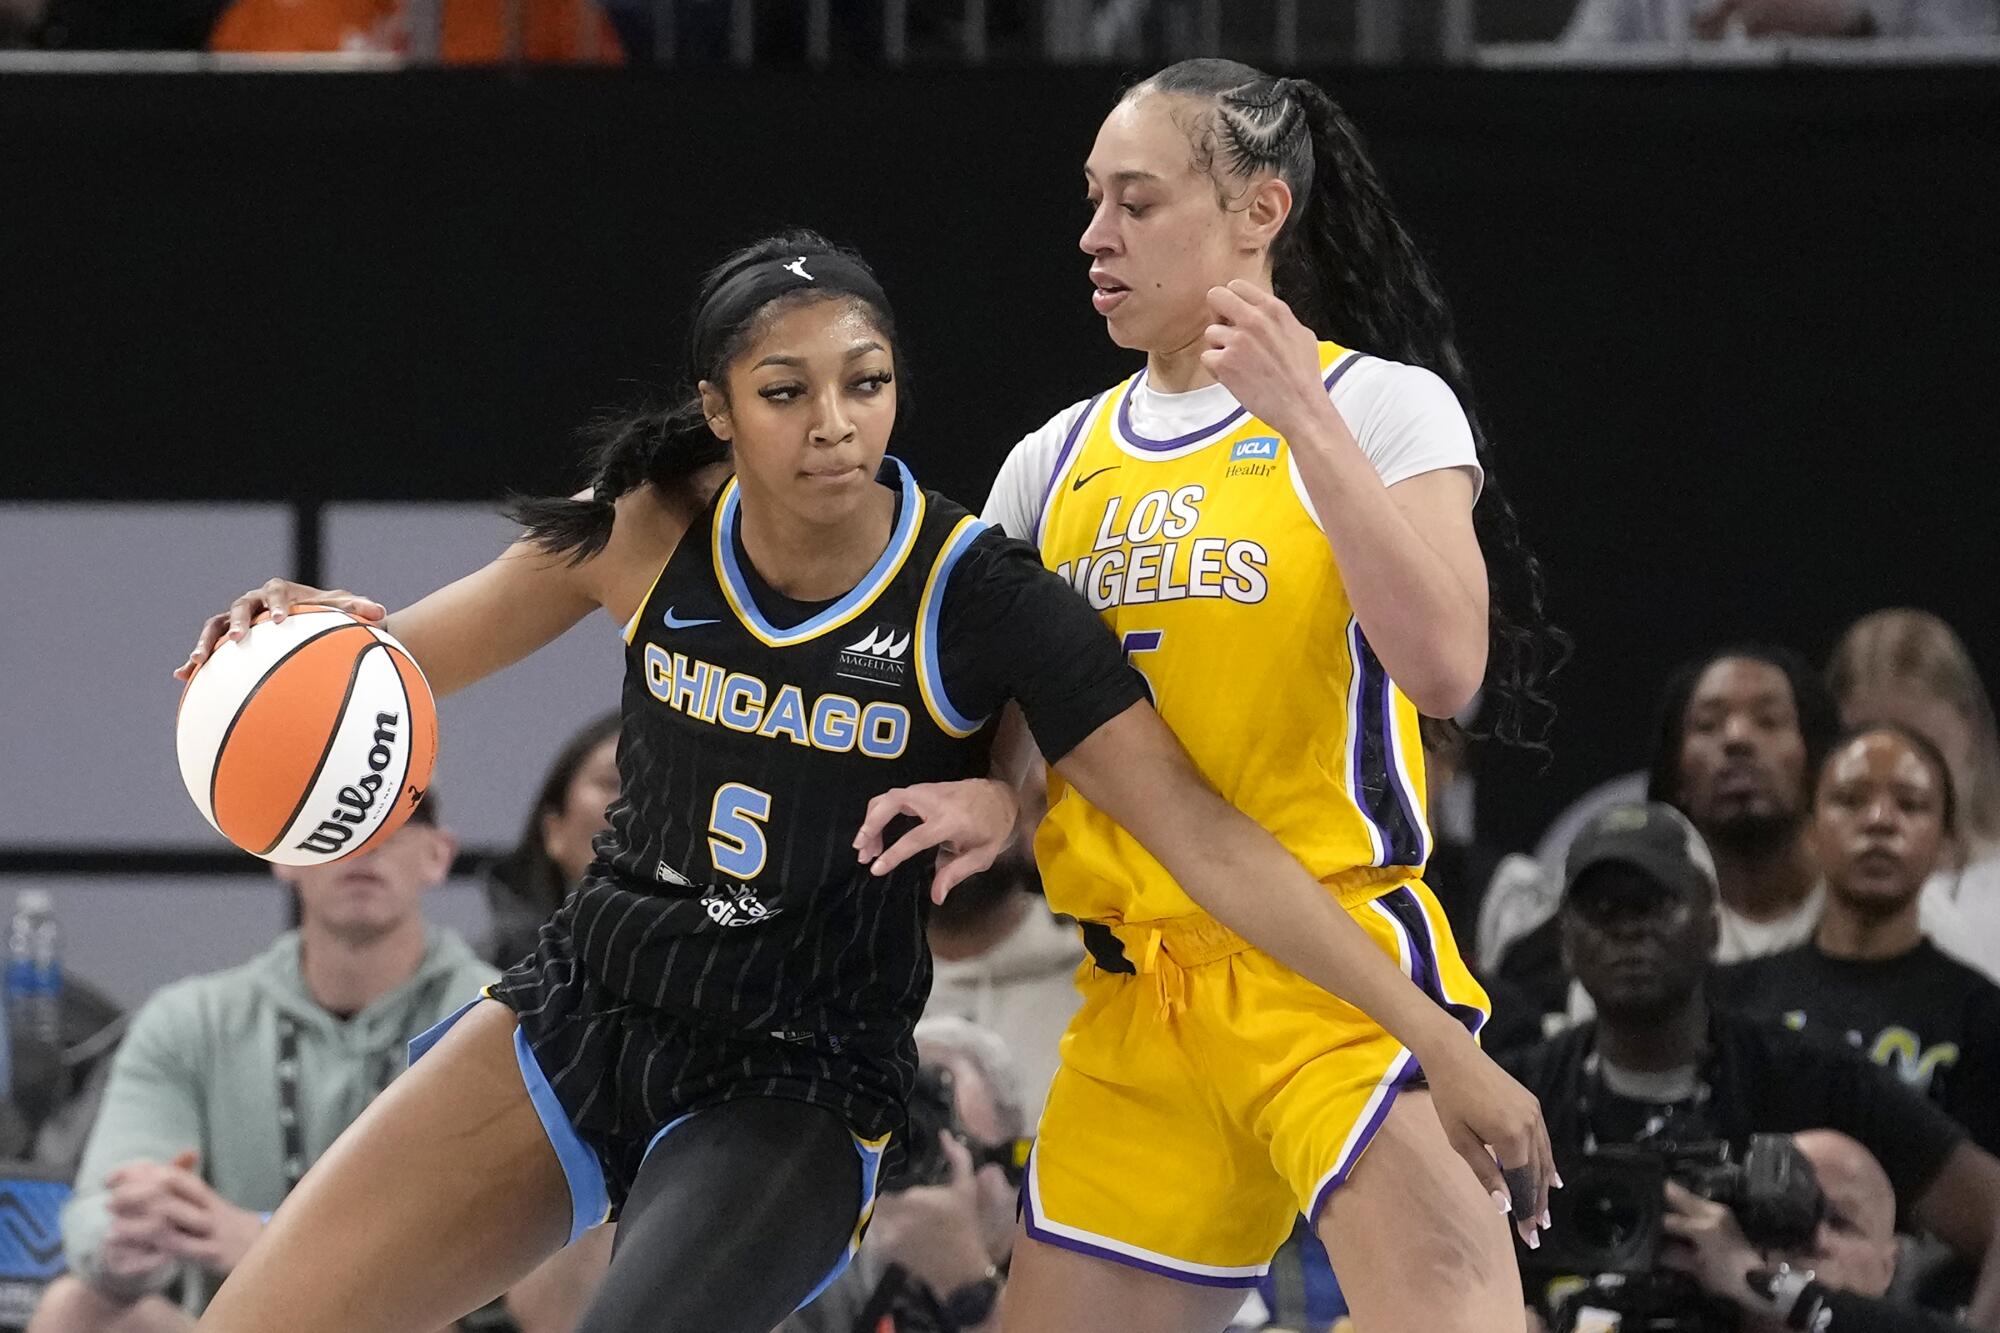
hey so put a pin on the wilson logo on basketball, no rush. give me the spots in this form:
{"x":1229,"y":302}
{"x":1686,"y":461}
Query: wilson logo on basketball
{"x":876,"y":657}
{"x":352,"y":803}
{"x":307,"y":740}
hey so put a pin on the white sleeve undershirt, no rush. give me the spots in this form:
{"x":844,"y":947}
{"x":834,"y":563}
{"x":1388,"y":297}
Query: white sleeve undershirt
{"x":1407,"y":421}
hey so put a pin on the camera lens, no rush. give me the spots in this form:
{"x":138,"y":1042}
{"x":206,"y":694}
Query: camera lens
{"x":1610,"y":1218}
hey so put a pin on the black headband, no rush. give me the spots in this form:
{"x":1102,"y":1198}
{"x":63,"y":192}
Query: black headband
{"x":746,"y":292}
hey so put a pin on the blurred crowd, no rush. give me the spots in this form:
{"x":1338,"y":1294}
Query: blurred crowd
{"x":696,"y":32}
{"x":1751,"y":981}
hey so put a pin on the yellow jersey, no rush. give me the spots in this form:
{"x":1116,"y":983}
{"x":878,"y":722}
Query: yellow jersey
{"x":1205,"y":557}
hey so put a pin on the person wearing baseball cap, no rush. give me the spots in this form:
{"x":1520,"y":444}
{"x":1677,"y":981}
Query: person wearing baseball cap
{"x":1639,"y":919}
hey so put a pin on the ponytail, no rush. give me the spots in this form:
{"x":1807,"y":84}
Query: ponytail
{"x":1352,"y":274}
{"x":663,"y":447}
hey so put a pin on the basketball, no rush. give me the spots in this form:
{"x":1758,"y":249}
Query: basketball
{"x":309,"y":739}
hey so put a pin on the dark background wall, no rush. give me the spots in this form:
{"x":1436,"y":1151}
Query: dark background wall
{"x":1732,"y":331}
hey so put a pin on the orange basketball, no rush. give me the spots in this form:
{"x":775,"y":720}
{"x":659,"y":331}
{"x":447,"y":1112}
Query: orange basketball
{"x":309,"y":739}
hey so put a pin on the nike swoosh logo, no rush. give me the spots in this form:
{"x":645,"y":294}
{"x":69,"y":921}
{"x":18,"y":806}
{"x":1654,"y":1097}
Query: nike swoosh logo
{"x":675,"y":622}
{"x":1085,"y":480}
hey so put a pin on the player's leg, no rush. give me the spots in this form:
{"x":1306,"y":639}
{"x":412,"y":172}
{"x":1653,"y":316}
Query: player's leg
{"x":552,"y":1299}
{"x":442,"y":1195}
{"x":1415,"y":1241}
{"x":1054,"y":1290}
{"x":1146,"y":1205}
{"x":739,"y":1214}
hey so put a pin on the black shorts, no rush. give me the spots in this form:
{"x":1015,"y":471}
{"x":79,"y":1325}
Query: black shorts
{"x":622,"y":1074}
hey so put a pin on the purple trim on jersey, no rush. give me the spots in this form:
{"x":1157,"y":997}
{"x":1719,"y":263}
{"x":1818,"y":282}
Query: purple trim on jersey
{"x":1346,"y":364}
{"x":1125,"y":423}
{"x":1133,"y":436}
{"x":1392,"y":772}
{"x":1130,"y":1261}
{"x":1069,"y":443}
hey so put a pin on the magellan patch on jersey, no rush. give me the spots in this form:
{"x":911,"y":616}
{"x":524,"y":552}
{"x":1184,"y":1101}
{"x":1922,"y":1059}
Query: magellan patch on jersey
{"x":877,"y":656}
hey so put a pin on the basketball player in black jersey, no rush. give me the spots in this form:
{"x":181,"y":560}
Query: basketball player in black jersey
{"x":712,"y":1039}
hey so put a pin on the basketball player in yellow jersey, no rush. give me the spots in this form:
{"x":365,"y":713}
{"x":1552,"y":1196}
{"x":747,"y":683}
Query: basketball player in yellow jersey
{"x":1277,"y":516}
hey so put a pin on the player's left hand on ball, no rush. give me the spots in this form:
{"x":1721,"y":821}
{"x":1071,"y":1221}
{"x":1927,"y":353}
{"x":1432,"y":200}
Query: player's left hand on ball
{"x":1496,"y":1126}
{"x":970,"y":823}
{"x":1260,"y":352}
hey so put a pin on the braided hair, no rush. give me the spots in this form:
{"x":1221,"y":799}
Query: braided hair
{"x":665,"y":447}
{"x":1350,"y":272}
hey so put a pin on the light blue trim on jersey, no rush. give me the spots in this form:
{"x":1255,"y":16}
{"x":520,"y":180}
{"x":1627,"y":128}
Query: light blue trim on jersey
{"x":737,"y":587}
{"x":930,"y":675}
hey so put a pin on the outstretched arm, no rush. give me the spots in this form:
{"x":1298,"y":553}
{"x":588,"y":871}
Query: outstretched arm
{"x":1134,"y":770}
{"x":494,"y":616}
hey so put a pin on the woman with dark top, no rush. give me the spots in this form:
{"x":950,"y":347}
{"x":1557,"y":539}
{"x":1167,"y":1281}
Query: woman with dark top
{"x":712,"y":1039}
{"x":1869,"y":977}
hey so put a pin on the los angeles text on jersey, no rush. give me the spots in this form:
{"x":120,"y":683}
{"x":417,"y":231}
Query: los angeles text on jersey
{"x":743,"y":702}
{"x":1145,"y":555}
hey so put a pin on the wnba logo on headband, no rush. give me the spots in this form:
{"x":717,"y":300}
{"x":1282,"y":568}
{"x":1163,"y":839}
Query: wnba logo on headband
{"x":737,"y":298}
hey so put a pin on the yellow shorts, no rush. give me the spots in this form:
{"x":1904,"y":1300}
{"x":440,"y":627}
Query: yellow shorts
{"x":1209,"y":1097}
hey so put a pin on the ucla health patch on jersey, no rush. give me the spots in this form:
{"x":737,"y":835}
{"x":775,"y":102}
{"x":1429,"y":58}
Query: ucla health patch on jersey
{"x":1257,"y":446}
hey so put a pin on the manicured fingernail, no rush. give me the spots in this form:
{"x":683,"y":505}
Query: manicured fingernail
{"x":1546,"y":1223}
{"x":1559,"y":1181}
{"x":277,"y":616}
{"x":1534,"y":1240}
{"x":1501,"y":1201}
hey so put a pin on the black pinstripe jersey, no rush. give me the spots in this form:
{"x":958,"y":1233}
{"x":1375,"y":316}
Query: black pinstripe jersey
{"x":756,"y":730}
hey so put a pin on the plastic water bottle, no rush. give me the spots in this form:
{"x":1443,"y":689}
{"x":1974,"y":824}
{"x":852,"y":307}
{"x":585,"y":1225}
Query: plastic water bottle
{"x":34,"y":970}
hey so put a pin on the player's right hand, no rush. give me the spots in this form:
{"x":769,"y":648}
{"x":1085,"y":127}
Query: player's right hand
{"x":1496,"y":1125}
{"x":278,"y":596}
{"x":970,"y":822}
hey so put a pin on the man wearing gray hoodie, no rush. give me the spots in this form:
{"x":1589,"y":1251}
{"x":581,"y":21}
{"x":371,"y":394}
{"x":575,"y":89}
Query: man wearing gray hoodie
{"x":229,"y":1086}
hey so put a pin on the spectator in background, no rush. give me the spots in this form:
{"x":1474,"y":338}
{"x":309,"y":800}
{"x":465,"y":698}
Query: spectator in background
{"x":1839,"y":1284}
{"x":1869,"y":978}
{"x":1739,"y":738}
{"x":1908,"y":666}
{"x":1640,"y":917}
{"x":228,"y":1086}
{"x":1004,"y":962}
{"x":526,"y":887}
{"x":1605,"y":22}
{"x":472,"y":32}
{"x":1742,"y":734}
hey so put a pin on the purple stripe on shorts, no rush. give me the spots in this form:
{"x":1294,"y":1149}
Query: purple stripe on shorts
{"x":1036,"y":1230}
{"x":1399,"y":1080}
{"x":1069,"y":443}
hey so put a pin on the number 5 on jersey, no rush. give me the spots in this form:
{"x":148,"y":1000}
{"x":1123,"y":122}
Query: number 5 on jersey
{"x":1138,"y":641}
{"x":736,"y":840}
